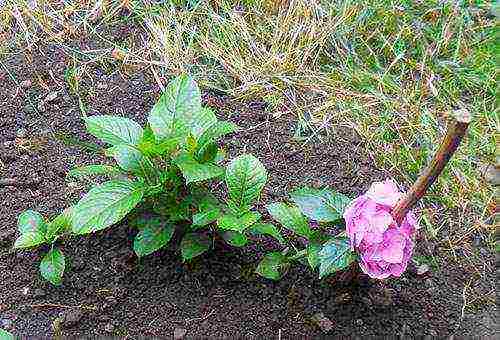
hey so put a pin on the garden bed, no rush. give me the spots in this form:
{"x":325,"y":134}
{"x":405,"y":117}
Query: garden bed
{"x":106,"y":290}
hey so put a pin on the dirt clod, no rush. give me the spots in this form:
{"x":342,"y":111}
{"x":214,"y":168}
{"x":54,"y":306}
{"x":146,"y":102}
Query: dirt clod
{"x":325,"y":324}
{"x":70,"y":318}
{"x":179,"y":333}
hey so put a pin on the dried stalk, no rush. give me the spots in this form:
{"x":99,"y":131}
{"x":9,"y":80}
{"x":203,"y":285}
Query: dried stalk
{"x":454,"y":135}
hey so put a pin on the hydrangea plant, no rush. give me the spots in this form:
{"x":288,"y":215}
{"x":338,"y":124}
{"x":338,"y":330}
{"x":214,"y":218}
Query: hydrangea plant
{"x":159,"y":184}
{"x":339,"y":231}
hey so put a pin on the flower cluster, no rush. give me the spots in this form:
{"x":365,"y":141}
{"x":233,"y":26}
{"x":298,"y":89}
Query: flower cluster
{"x":384,"y":247}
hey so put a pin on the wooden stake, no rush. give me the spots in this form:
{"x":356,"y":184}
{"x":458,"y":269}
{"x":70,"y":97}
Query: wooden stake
{"x":456,"y":131}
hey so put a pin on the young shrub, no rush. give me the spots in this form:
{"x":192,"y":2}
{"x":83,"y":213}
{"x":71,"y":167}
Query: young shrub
{"x":316,"y":215}
{"x":340,"y":231}
{"x":160,"y":184}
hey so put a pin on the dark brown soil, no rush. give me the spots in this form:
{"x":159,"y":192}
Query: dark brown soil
{"x":107,"y":290}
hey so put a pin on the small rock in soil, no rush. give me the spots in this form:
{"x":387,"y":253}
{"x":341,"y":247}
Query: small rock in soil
{"x":6,"y":323}
{"x":26,"y":84}
{"x":109,"y":327}
{"x":70,"y":317}
{"x":21,"y":133}
{"x":41,"y":106}
{"x":39,"y":293}
{"x":51,"y":97}
{"x":325,"y":324}
{"x":6,"y":238}
{"x":422,"y":269}
{"x":179,"y":333}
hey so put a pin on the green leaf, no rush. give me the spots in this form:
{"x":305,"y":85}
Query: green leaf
{"x":208,"y":153}
{"x":83,"y":172}
{"x":214,"y":132}
{"x":173,"y":114}
{"x":52,"y":266}
{"x":208,"y":211}
{"x":267,"y":229}
{"x":32,"y":227}
{"x":245,"y":178}
{"x":130,"y":159}
{"x":194,"y":171}
{"x":202,"y":121}
{"x":234,"y":238}
{"x":321,"y":205}
{"x":105,"y":205}
{"x":4,"y":335}
{"x":193,"y":245}
{"x":238,"y":223}
{"x":58,"y":225}
{"x":335,"y":255}
{"x":313,"y":250}
{"x":291,"y":218}
{"x":272,"y":266}
{"x":155,"y":234}
{"x":114,"y":130}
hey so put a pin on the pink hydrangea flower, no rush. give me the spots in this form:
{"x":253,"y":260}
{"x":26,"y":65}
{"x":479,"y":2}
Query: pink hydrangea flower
{"x":384,"y":247}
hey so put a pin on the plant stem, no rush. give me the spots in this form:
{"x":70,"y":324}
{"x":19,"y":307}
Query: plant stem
{"x":454,"y":134}
{"x":298,"y":255}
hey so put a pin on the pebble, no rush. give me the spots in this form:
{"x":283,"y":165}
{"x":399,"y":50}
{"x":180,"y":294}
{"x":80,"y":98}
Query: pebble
{"x":6,"y":323}
{"x":51,"y":97}
{"x":422,"y":269}
{"x":6,"y":238}
{"x":179,"y":333}
{"x":21,"y":133}
{"x":39,"y":293}
{"x":325,"y":324}
{"x":109,"y":327}
{"x":26,"y":84}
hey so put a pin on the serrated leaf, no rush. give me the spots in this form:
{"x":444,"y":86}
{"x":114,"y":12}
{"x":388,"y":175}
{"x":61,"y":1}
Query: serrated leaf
{"x":28,"y":240}
{"x":321,"y":205}
{"x":105,"y":205}
{"x":313,"y":250}
{"x":4,"y":335}
{"x":194,"y":171}
{"x":272,"y":266}
{"x":234,"y":238}
{"x":245,"y":179}
{"x":291,"y":218}
{"x":114,"y":130}
{"x":193,"y":245}
{"x":335,"y":255}
{"x":208,"y":211}
{"x":202,"y":121}
{"x":85,"y":171}
{"x":173,"y":114}
{"x":52,"y":266}
{"x":155,"y":234}
{"x":130,"y":159}
{"x":214,"y":132}
{"x":58,"y":225}
{"x":267,"y":229}
{"x":32,"y":227}
{"x":238,"y":223}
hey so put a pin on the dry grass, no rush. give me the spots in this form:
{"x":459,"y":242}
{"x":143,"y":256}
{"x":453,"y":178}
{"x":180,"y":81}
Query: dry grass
{"x":391,"y":69}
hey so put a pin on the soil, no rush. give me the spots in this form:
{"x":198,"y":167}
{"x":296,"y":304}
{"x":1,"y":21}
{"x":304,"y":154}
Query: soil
{"x":107,"y":291}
